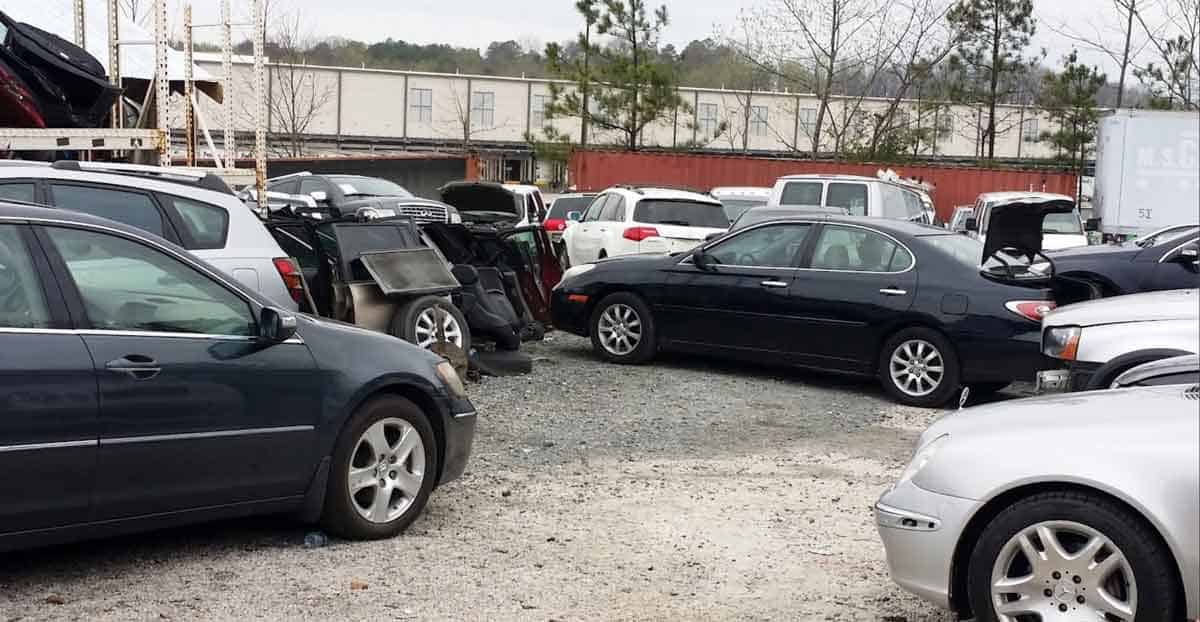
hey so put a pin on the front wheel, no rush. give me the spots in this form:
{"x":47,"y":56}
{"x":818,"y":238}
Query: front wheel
{"x":918,"y":367}
{"x":382,"y":472}
{"x":1070,"y":556}
{"x":622,"y":329}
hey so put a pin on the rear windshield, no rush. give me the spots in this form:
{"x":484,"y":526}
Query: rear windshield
{"x":736,"y":207}
{"x":565,"y":205}
{"x":682,"y":213}
{"x":962,"y":249}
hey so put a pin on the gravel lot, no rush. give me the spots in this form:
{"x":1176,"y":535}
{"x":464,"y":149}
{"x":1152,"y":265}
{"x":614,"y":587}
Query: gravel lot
{"x":692,"y":489}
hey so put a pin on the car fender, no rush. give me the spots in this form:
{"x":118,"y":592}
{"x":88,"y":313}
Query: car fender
{"x":1105,"y":342}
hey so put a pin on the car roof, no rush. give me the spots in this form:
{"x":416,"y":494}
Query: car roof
{"x":751,"y":191}
{"x":1015,"y":196}
{"x":837,"y":176}
{"x":574,"y":195}
{"x":886,"y":225}
{"x":669,"y":194}
{"x":137,"y":182}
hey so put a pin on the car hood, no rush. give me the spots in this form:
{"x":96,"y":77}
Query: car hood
{"x":1178,"y":304}
{"x":633,"y":262}
{"x":1017,"y":223}
{"x":482,"y":197}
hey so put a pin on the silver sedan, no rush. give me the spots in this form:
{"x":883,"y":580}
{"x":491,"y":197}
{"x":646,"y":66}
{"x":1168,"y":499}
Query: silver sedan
{"x":1072,"y":507}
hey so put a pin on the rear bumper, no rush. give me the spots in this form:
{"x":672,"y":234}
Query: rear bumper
{"x":1016,"y":359}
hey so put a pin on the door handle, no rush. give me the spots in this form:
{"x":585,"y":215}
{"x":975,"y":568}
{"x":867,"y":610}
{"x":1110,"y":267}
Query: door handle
{"x":892,"y":291}
{"x":137,"y":366}
{"x":776,"y":284}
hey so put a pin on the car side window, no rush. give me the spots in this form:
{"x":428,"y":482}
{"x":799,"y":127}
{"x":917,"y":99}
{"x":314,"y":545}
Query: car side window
{"x":313,"y":184}
{"x":207,"y":225}
{"x":129,"y":286}
{"x":614,"y":209}
{"x":132,"y":208}
{"x":19,"y":191}
{"x":593,"y":211}
{"x":22,"y":302}
{"x":893,"y":203}
{"x":858,"y":250}
{"x":801,"y":193}
{"x":852,"y":197}
{"x":770,"y":246}
{"x":287,"y":186}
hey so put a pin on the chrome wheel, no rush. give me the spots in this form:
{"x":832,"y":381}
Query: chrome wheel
{"x":917,"y":368}
{"x":426,"y":327}
{"x":1062,"y":570}
{"x":386,"y":470}
{"x":620,"y":329}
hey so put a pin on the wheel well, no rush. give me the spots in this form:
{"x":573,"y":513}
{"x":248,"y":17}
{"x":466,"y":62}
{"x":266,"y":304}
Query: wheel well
{"x":888,"y":334}
{"x":970,"y":534}
{"x":427,"y":406}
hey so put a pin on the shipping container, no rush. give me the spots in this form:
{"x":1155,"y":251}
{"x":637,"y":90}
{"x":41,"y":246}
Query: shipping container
{"x":952,"y":185}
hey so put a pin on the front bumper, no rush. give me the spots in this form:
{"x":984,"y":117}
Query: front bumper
{"x":569,"y":311}
{"x":920,"y":530}
{"x":459,"y":431}
{"x":1076,"y":377}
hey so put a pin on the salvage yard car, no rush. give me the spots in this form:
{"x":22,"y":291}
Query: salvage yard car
{"x":859,"y":195}
{"x":627,"y":220}
{"x":1066,"y":508}
{"x":1166,"y":259}
{"x":904,"y":302}
{"x":145,"y":388}
{"x":340,"y":196}
{"x":1060,"y":228}
{"x":739,"y":199}
{"x":1099,"y":340}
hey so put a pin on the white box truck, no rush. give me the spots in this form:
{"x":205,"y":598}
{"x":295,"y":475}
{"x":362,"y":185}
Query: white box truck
{"x":1147,"y":171}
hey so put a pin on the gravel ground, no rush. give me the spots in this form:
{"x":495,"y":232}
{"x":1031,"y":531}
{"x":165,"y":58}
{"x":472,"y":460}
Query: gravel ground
{"x":692,"y":489}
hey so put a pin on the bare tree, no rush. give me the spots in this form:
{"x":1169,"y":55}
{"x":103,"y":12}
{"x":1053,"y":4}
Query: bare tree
{"x":136,"y":10}
{"x":1119,"y":24}
{"x":297,"y":96}
{"x":1173,"y":72}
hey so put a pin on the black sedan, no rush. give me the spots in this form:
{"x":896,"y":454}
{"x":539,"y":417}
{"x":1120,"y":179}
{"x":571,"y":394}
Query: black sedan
{"x":142,"y":388}
{"x":1165,"y":259}
{"x":901,"y":301}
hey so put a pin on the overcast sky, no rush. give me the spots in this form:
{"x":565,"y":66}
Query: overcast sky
{"x":475,"y":23}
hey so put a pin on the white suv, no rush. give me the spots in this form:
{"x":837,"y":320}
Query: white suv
{"x":195,"y":211}
{"x":625,"y":220}
{"x":860,"y":196}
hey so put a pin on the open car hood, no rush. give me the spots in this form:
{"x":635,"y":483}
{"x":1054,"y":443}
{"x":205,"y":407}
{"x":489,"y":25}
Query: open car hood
{"x":1017,"y":223}
{"x":477,"y":196}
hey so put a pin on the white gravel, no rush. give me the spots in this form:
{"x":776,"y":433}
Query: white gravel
{"x":690,"y":489}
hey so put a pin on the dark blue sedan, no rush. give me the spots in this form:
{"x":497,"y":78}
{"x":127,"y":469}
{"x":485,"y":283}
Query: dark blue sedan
{"x":142,"y":388}
{"x":906,"y":303}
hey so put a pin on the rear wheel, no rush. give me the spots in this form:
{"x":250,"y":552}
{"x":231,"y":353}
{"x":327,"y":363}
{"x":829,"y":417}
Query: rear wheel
{"x":383,"y":469}
{"x":622,"y":329}
{"x":1070,"y":556}
{"x":919,"y":367}
{"x":417,"y":323}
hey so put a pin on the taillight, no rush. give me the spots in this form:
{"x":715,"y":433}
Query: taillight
{"x":293,"y":279}
{"x":637,"y":234}
{"x":1033,"y":310}
{"x":555,"y":224}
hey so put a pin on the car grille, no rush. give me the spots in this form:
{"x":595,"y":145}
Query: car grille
{"x":422,"y":214}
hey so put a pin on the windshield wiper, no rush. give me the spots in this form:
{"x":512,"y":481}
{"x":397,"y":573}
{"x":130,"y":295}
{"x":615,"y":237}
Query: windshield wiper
{"x":681,"y":223}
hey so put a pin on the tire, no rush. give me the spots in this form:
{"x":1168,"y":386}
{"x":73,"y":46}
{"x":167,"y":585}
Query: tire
{"x":341,"y":514}
{"x":409,"y":325}
{"x":1146,"y":557}
{"x":918,"y":392}
{"x":983,"y":389}
{"x":630,"y":314}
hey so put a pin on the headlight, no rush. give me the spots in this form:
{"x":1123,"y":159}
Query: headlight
{"x":577,"y":270}
{"x":449,"y":377}
{"x":368,"y":213}
{"x":922,"y":458}
{"x":455,"y":218}
{"x":1061,"y":342}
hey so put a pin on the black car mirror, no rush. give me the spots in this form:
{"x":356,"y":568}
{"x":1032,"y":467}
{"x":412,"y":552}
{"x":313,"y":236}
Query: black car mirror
{"x":701,"y":259}
{"x":971,"y":225}
{"x":1091,"y":224}
{"x":574,"y":216}
{"x":276,"y":325}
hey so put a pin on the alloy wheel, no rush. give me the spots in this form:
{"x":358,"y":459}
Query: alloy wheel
{"x":426,"y":328}
{"x":620,"y":329}
{"x":917,"y":367}
{"x":386,"y":470}
{"x":1062,"y":570}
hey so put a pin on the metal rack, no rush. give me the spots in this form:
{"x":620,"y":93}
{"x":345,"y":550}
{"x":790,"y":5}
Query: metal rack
{"x":118,"y":139}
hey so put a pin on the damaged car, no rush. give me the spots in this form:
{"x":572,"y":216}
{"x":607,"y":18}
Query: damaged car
{"x":356,"y":196}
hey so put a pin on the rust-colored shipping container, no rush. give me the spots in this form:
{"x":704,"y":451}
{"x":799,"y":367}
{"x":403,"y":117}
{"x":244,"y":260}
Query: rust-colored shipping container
{"x":953,"y":185}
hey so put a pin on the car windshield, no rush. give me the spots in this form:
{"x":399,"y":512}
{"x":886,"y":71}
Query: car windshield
{"x":683,"y":213}
{"x":352,"y":185}
{"x":1062,"y":223}
{"x":565,"y":205}
{"x":1164,"y":237}
{"x":736,"y":207}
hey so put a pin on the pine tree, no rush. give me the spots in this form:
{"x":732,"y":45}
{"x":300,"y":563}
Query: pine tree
{"x":1070,"y":99}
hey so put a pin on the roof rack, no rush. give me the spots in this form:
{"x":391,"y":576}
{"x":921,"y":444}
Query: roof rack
{"x":641,"y":188}
{"x":198,"y":178}
{"x":290,"y":175}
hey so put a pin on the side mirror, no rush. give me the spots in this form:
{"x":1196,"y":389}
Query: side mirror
{"x":319,"y":196}
{"x":1091,"y":224}
{"x":574,"y":216}
{"x":971,"y":225}
{"x":275,"y":325}
{"x":701,"y":259}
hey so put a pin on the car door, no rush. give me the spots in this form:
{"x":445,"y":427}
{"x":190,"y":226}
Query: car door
{"x":611,"y":229}
{"x":741,"y":301}
{"x":1174,"y":264}
{"x":195,"y":412}
{"x":855,"y":281}
{"x":586,"y":238}
{"x":48,"y":403}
